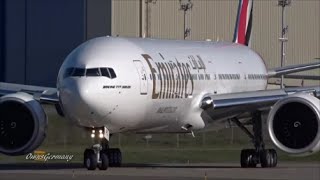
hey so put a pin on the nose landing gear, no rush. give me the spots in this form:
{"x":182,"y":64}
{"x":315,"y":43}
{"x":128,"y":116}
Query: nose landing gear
{"x":95,"y":157}
{"x":100,"y":155}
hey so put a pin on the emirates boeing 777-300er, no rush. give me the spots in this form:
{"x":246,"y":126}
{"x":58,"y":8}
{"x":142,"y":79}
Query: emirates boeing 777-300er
{"x":110,"y":85}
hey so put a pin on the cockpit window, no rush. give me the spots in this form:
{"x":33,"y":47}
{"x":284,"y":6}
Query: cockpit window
{"x":79,"y":72}
{"x":108,"y":72}
{"x":105,"y":72}
{"x":68,"y":72}
{"x":93,"y":72}
{"x":112,"y":73}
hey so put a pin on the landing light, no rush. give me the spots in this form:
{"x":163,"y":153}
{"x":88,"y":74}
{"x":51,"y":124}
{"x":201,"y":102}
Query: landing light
{"x":93,"y":135}
{"x":101,"y":136}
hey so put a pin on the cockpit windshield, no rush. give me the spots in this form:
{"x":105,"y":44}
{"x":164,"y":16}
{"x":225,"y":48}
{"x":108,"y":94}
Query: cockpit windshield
{"x":108,"y":72}
{"x":90,"y":72}
{"x":78,"y":72}
{"x":93,"y":72}
{"x":105,"y":72}
{"x":112,"y":73}
{"x":68,"y":72}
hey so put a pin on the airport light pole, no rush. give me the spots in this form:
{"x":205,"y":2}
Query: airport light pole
{"x":144,"y":17}
{"x":283,"y":39}
{"x":185,"y":6}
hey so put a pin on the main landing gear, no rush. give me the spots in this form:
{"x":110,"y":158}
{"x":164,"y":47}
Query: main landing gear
{"x":100,"y":155}
{"x":251,"y":157}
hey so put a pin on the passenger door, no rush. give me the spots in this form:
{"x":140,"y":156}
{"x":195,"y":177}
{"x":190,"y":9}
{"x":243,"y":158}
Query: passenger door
{"x":143,"y":77}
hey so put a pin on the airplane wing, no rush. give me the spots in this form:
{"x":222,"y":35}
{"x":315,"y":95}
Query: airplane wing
{"x":277,"y":72}
{"x":229,"y":105}
{"x":42,"y":94}
{"x":305,"y":77}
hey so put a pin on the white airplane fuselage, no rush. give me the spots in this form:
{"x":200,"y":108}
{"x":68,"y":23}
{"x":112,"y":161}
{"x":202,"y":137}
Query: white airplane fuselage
{"x":159,"y":84}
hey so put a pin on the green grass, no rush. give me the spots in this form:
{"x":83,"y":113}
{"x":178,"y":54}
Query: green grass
{"x":215,"y":146}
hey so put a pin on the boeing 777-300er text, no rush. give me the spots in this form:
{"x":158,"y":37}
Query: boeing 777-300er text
{"x":110,"y":85}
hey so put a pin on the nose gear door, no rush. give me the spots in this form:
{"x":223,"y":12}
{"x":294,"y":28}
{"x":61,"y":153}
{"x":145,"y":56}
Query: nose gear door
{"x":143,"y":77}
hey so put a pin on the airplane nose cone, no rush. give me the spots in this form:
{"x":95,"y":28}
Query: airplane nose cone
{"x":78,"y":99}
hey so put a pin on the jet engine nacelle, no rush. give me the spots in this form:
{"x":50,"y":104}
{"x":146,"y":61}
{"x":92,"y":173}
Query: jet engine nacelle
{"x":294,"y":124}
{"x":23,"y":124}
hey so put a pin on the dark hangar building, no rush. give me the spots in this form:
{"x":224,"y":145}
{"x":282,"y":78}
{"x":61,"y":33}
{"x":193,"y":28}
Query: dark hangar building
{"x":36,"y":35}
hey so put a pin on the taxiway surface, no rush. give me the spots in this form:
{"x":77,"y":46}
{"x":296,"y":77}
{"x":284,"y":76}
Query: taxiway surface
{"x":292,"y":171}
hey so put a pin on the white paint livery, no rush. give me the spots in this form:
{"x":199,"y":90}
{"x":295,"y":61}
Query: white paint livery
{"x":186,"y":70}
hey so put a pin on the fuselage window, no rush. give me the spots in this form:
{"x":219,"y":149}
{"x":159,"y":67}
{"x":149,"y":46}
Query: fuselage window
{"x":79,"y":72}
{"x":93,"y":72}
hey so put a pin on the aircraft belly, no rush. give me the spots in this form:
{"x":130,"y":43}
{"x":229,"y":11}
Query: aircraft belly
{"x":164,"y":116}
{"x":167,"y":114}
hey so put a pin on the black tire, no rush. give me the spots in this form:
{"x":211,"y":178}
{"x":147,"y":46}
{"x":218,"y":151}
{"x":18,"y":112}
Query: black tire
{"x":110,"y":156}
{"x":274,"y":156}
{"x":115,"y":157}
{"x":104,"y":161}
{"x":266,"y":159}
{"x":252,"y":162}
{"x":85,"y":154}
{"x":247,"y":159}
{"x":90,"y":159}
{"x":118,"y":157}
{"x":244,"y":158}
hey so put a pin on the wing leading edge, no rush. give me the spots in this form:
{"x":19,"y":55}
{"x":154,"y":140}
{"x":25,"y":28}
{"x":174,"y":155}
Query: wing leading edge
{"x":230,"y":105}
{"x":258,"y":98}
{"x":276,"y":72}
{"x":41,"y":94}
